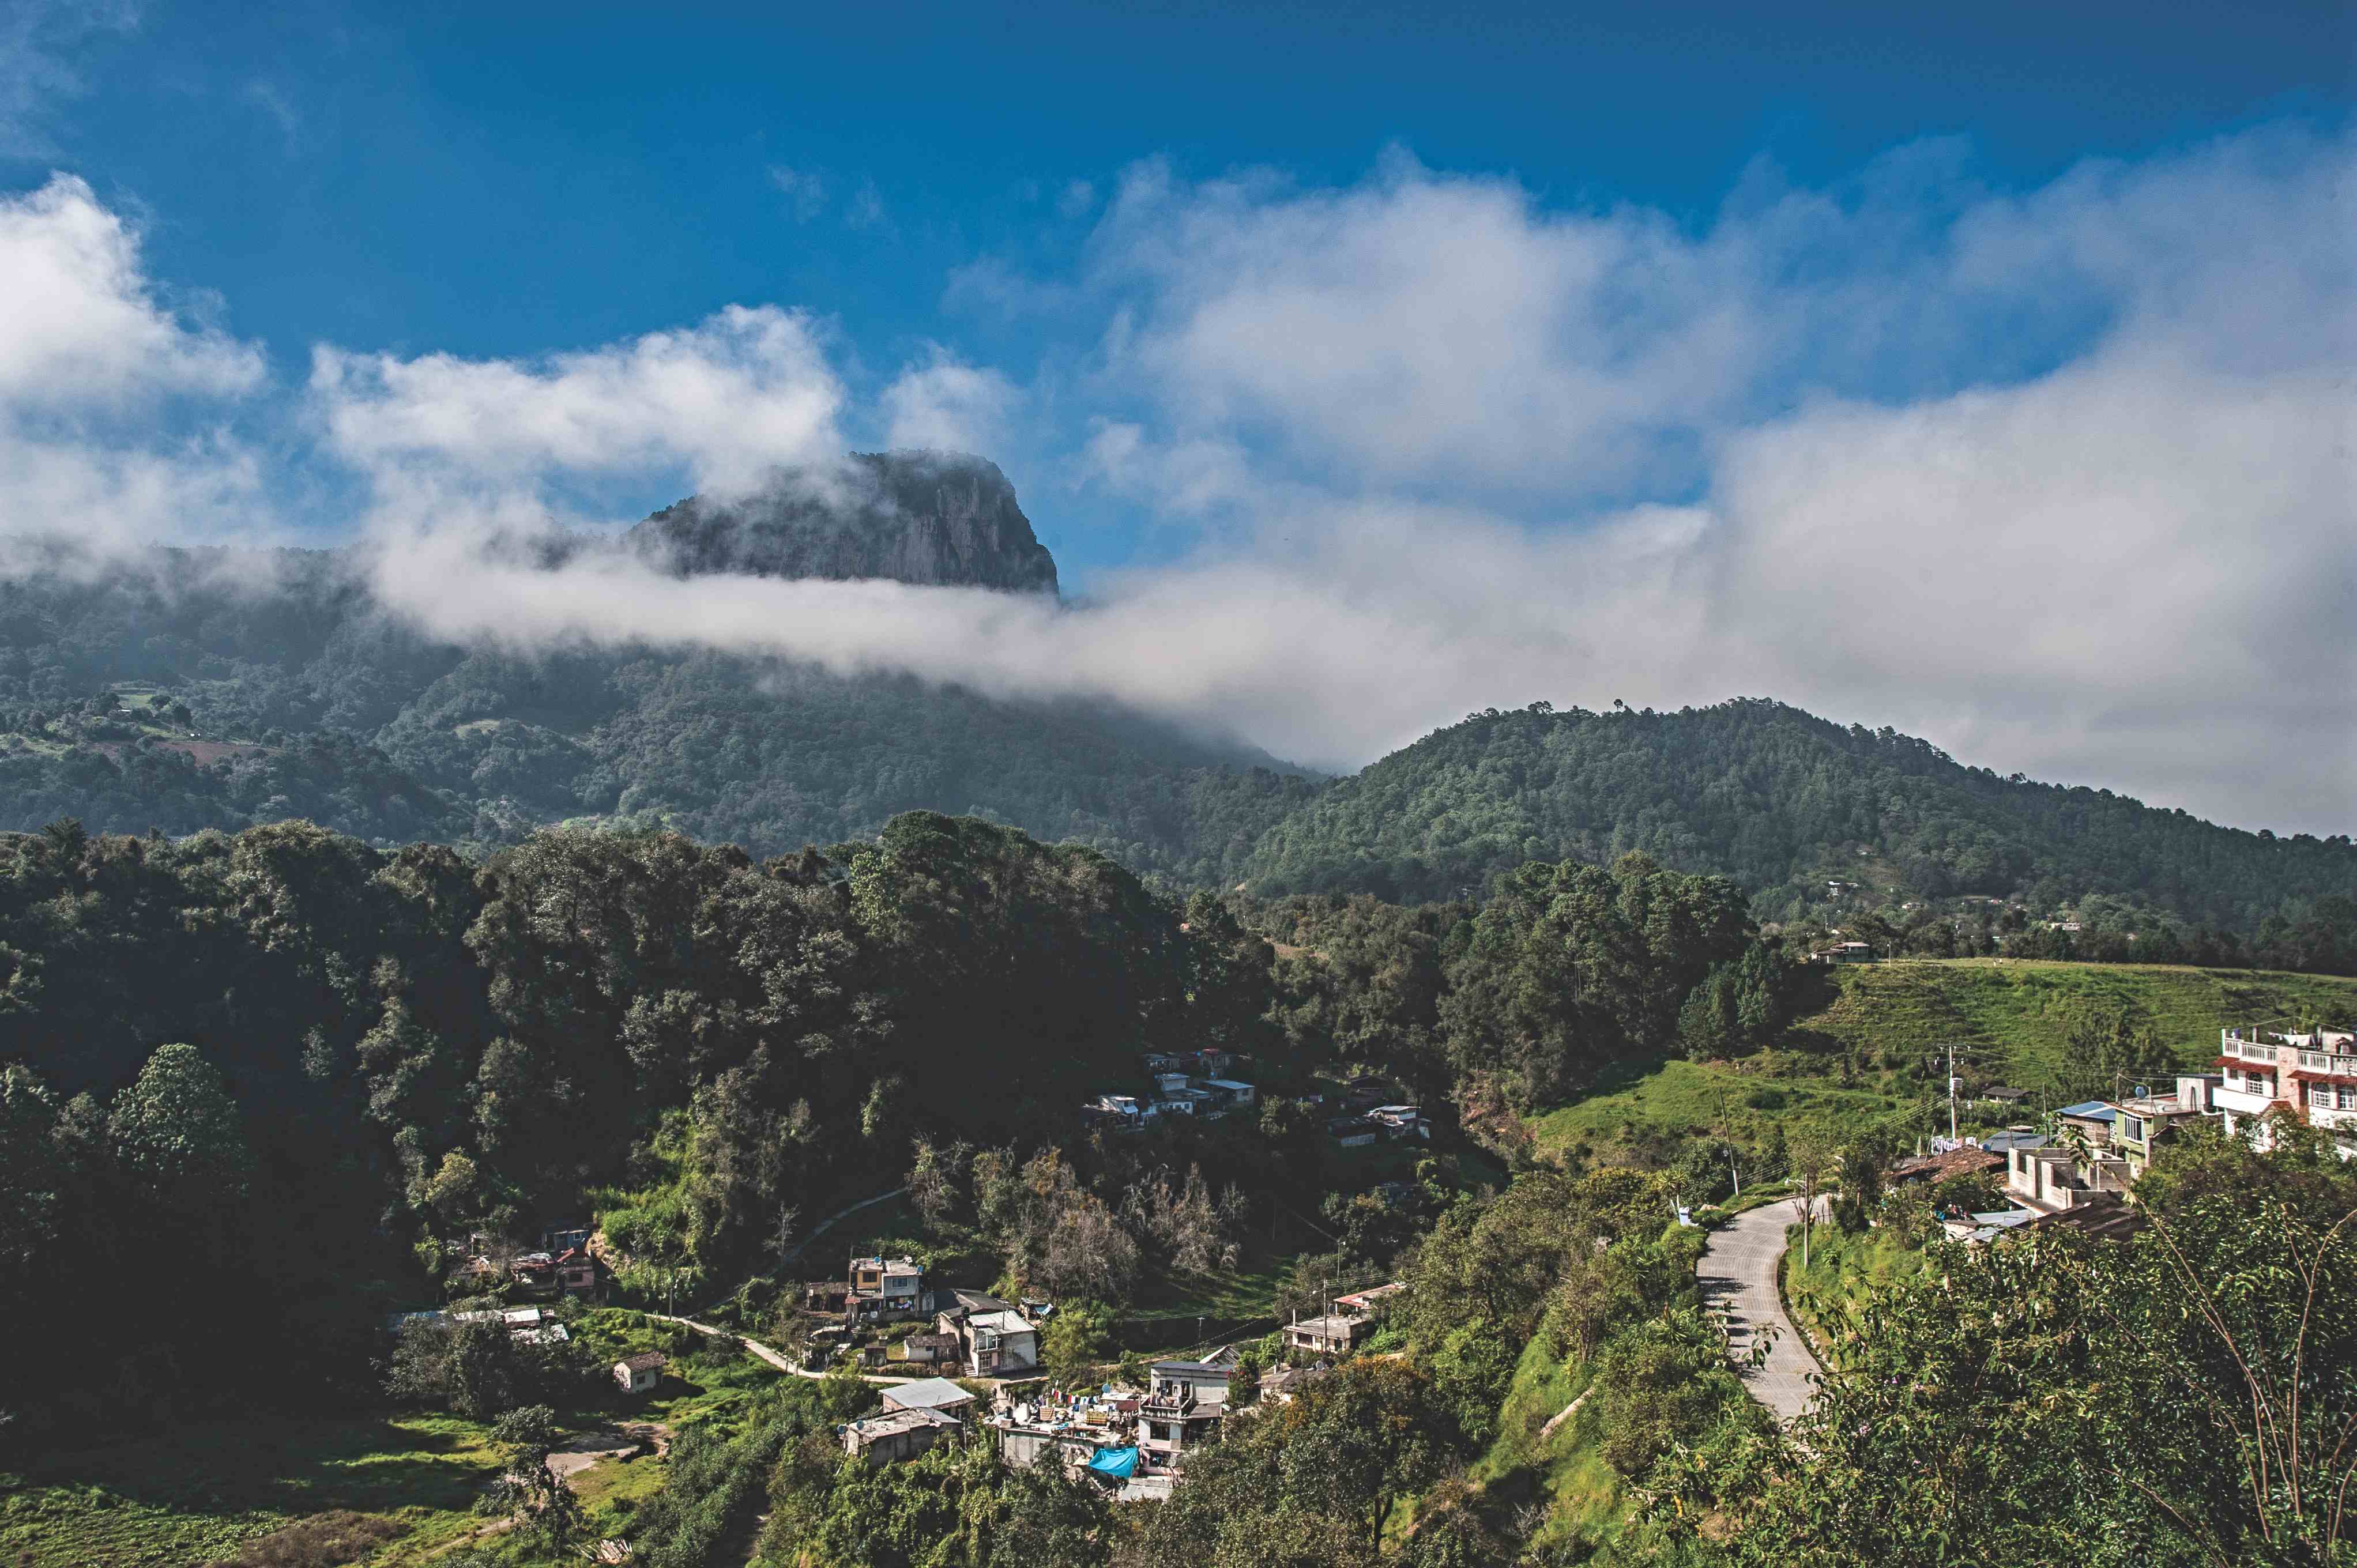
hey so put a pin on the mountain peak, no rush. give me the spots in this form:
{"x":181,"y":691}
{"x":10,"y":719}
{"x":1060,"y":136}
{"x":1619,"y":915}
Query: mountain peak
{"x":937,"y":519}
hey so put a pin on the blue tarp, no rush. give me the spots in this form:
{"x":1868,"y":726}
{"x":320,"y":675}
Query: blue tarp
{"x":1121,"y":1463}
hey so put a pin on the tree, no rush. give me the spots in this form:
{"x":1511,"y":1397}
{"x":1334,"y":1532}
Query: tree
{"x":177,"y":1132}
{"x":541,"y":1507}
{"x":1809,"y":1158}
{"x":466,"y":1369}
{"x":2183,"y":1397}
{"x":1078,"y":1337}
{"x":1861,"y":1187}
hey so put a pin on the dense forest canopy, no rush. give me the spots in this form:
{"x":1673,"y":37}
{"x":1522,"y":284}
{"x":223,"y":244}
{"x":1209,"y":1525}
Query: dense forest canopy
{"x":706,"y":1051}
{"x":1781,"y":802}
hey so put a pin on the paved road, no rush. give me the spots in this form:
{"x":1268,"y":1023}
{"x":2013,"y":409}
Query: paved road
{"x":1738,"y":1272}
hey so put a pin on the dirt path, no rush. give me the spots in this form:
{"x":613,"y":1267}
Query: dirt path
{"x":777,"y":1358}
{"x":821,"y":1228}
{"x":1737,"y":1273}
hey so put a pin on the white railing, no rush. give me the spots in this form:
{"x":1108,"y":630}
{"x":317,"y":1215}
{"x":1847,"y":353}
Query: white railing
{"x":2320,"y":1061}
{"x":2249,"y":1052}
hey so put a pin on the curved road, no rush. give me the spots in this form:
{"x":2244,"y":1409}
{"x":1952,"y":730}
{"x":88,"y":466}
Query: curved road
{"x":1737,"y":1273}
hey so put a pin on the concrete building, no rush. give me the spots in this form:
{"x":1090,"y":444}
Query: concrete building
{"x":929,"y":1393}
{"x":897,"y":1434}
{"x":2311,"y":1075}
{"x":2051,"y":1179}
{"x":639,"y":1374}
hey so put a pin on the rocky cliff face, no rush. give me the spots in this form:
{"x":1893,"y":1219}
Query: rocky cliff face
{"x":931,"y":517}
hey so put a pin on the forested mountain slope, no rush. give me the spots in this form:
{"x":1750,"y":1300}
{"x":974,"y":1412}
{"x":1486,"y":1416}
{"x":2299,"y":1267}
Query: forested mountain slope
{"x":197,"y":689}
{"x":1777,"y":799}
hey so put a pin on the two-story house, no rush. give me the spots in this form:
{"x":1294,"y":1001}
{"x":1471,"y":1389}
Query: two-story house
{"x":2144,"y":1123}
{"x":995,"y":1339}
{"x":886,"y":1287}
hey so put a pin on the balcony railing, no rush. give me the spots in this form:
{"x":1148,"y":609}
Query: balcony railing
{"x":2322,"y":1061}
{"x":2249,"y":1052}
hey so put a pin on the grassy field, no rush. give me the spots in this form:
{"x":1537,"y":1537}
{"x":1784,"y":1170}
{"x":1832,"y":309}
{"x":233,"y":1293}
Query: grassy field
{"x":2017,"y":1012}
{"x":1851,"y":1057}
{"x":192,"y":1496}
{"x":1676,"y":1096}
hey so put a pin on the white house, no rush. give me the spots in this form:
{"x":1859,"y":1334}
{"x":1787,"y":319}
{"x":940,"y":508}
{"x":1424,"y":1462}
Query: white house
{"x":639,"y":1374}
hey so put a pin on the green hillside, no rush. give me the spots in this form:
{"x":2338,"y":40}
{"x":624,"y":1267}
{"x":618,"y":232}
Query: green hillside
{"x":1779,"y":801}
{"x":2015,"y":1014}
{"x":1867,"y":1049}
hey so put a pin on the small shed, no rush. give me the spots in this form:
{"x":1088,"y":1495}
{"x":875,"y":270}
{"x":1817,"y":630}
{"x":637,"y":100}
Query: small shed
{"x":927,"y":1349}
{"x":639,"y":1374}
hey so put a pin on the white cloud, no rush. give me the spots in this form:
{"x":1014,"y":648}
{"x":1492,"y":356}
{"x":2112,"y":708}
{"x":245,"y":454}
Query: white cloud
{"x":948,"y":406}
{"x":112,"y":402}
{"x":80,"y":325}
{"x":725,"y":399}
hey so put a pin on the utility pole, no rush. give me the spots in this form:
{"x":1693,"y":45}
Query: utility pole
{"x":1951,"y":1092}
{"x":1725,"y":1127}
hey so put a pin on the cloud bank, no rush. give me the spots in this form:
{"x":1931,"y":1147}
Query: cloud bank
{"x":2061,"y":479}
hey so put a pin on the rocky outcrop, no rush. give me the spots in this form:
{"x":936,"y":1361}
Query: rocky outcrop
{"x":931,"y":518}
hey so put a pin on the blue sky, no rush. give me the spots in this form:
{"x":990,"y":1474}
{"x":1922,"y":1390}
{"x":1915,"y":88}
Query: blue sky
{"x":1392,"y":359}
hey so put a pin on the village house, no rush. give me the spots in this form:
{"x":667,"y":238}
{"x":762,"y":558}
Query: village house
{"x":564,"y":1236}
{"x":884,"y":1287}
{"x":2310,"y":1075}
{"x":576,"y":1271}
{"x":925,"y":1349}
{"x":1371,"y":1300}
{"x":2051,"y":1179}
{"x":937,"y":1394}
{"x":1085,"y":1433}
{"x":639,"y":1374}
{"x":897,"y":1436}
{"x":1395,"y":1122}
{"x":1334,"y":1334}
{"x":1119,"y":1113}
{"x":535,"y":1273}
{"x":996,"y":1338}
{"x":1933,"y":1169}
{"x":2144,"y":1123}
{"x":1178,"y":1416}
{"x":2091,"y":1119}
{"x":1208,"y":1377}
